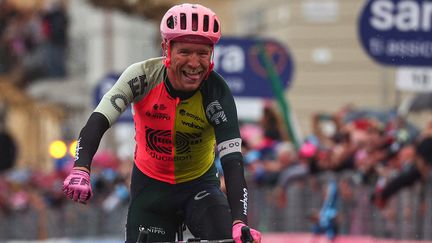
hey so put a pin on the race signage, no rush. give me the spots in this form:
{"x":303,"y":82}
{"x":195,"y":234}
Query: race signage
{"x":239,"y":62}
{"x":397,"y":32}
{"x":414,"y":79}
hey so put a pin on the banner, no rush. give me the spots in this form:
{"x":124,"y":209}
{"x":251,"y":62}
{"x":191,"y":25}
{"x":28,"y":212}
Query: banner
{"x":397,"y":32}
{"x":414,"y":79}
{"x":238,"y":61}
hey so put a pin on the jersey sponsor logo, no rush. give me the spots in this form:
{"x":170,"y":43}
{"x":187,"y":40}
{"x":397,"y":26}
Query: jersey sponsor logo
{"x":158,"y":156}
{"x":114,"y":99}
{"x":138,"y":85}
{"x":158,"y":115}
{"x":216,"y":113}
{"x":160,"y":107}
{"x":159,"y":140}
{"x":182,"y":157}
{"x":192,"y":125}
{"x":183,"y":112}
{"x":161,"y":157}
{"x":159,"y":144}
{"x":79,"y":181}
{"x":200,"y":195}
{"x":245,"y":201}
{"x":77,"y":149}
{"x":153,"y":229}
{"x":229,"y":146}
{"x":184,"y":140}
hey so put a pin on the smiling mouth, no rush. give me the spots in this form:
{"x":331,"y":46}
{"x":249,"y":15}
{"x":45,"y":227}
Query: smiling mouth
{"x":192,"y":75}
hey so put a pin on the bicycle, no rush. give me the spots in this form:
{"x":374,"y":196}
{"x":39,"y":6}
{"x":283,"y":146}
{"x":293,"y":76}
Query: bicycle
{"x":246,"y":237}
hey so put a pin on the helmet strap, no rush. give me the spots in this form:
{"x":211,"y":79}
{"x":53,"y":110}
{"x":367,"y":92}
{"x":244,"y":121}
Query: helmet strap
{"x":211,"y":66}
{"x":167,"y":54}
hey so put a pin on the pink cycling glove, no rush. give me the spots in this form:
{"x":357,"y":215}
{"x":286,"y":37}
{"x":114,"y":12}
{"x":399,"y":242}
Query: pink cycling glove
{"x":77,"y":186}
{"x":237,"y":233}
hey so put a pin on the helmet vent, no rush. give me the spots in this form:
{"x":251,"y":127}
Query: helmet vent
{"x":183,"y":21}
{"x":170,"y":22}
{"x":194,"y":22}
{"x":216,"y":26}
{"x":206,"y":23}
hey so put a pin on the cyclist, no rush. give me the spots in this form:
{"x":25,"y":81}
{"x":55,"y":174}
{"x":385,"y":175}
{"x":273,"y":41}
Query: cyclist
{"x":181,"y":109}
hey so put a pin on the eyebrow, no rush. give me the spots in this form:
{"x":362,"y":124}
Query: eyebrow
{"x":195,"y":50}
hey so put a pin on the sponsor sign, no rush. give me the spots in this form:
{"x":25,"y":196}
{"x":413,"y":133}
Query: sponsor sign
{"x":238,"y":61}
{"x":414,"y":79}
{"x":397,"y":32}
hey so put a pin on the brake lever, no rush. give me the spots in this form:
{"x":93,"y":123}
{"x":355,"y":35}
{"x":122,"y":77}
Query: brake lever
{"x":246,"y":236}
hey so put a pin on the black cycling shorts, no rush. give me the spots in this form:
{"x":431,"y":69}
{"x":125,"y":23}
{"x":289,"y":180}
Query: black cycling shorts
{"x":161,"y":208}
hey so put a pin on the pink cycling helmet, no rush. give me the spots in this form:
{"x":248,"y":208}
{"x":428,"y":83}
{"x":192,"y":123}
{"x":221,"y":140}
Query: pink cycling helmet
{"x":192,"y":23}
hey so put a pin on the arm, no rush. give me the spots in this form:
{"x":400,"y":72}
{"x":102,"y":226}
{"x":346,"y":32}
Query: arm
{"x":407,"y":178}
{"x":292,"y":173}
{"x":222,"y":114}
{"x":236,"y":186}
{"x":416,"y":172}
{"x":237,"y":194}
{"x":403,"y":180}
{"x":77,"y":185}
{"x":288,"y":175}
{"x":129,"y":87}
{"x":89,"y":139}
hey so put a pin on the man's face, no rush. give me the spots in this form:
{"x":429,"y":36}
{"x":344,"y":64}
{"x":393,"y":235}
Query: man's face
{"x":189,"y":65}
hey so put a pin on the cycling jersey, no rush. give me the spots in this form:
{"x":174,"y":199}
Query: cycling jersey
{"x":175,"y":131}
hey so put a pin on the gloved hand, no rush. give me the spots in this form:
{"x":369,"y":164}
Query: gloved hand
{"x":77,"y":186}
{"x":237,"y":233}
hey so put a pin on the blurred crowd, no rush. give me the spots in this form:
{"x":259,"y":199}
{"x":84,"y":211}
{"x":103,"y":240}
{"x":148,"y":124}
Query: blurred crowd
{"x":382,"y":152}
{"x":24,"y":192}
{"x":377,"y":145}
{"x":33,"y":40}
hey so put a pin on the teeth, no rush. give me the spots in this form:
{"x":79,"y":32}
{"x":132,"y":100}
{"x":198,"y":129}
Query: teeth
{"x":193,"y":72}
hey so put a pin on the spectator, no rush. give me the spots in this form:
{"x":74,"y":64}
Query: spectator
{"x":270,"y":161}
{"x":416,"y":172}
{"x":325,"y":222}
{"x":272,"y":126}
{"x":55,"y":27}
{"x":33,"y":41}
{"x":295,"y":170}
